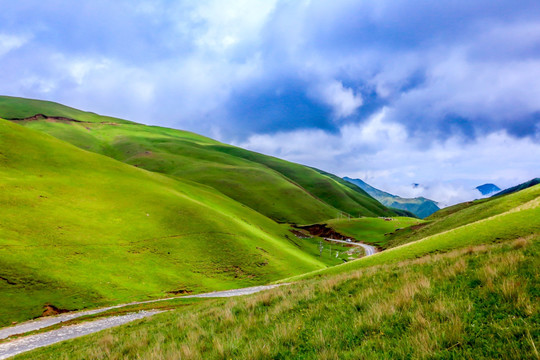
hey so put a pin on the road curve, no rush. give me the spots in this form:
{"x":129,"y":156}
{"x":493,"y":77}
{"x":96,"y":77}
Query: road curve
{"x":370,"y":250}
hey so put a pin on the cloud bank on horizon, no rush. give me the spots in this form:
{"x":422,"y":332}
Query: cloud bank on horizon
{"x":445,"y":94}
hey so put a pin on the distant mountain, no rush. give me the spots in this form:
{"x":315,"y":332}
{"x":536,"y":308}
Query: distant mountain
{"x":419,"y":206}
{"x":488,"y":189}
{"x":517,"y":188}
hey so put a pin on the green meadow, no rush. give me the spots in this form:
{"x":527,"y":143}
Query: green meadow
{"x":522,"y":221}
{"x":80,"y":229}
{"x":284,"y":191}
{"x":463,"y":214}
{"x":467,"y":292}
{"x":373,"y":231}
{"x":478,"y":302}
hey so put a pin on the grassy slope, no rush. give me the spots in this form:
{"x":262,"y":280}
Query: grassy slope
{"x":292,"y":192}
{"x":81,"y":229}
{"x":519,"y":187}
{"x":350,"y":199}
{"x":371,"y":230}
{"x":476,"y":303}
{"x":521,"y":219}
{"x":17,"y":108}
{"x":465,"y":213}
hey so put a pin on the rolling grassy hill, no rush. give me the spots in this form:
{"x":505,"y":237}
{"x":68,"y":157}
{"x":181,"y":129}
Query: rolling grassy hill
{"x":19,"y":108}
{"x":506,"y":218}
{"x":478,"y":302}
{"x":281,"y":190}
{"x":465,"y":213}
{"x":519,"y":187}
{"x":80,"y":229}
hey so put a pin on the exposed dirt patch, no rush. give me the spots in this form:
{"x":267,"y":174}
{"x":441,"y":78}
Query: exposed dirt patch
{"x":418,"y":226}
{"x":7,"y":280}
{"x":39,"y":117}
{"x":323,"y":231}
{"x":180,"y":292}
{"x":50,"y":310}
{"x":240,"y":273}
{"x":42,"y":117}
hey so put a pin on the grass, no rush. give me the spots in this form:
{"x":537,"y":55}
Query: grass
{"x":283,"y":191}
{"x":80,"y":229}
{"x":332,"y":253}
{"x":521,"y":221}
{"x":478,"y":302}
{"x":165,"y":305}
{"x":463,"y":214}
{"x":18,"y":108}
{"x":372,"y":231}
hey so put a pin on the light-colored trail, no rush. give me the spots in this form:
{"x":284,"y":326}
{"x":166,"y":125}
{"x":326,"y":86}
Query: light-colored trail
{"x":30,"y":342}
{"x":44,"y":322}
{"x":370,"y":250}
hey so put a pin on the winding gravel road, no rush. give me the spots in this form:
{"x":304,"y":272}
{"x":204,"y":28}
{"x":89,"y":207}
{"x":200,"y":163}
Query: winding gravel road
{"x":32,"y":342}
{"x":370,"y":250}
{"x":44,"y":322}
{"x":27,"y":343}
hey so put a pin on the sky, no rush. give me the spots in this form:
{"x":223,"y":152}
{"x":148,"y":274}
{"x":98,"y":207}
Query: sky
{"x":445,"y":94}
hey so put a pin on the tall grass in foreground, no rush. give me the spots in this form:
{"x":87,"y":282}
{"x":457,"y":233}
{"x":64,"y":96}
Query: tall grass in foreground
{"x":478,"y":302}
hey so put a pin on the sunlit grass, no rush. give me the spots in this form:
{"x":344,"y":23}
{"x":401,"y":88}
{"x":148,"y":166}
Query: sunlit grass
{"x":81,"y":230}
{"x":410,"y":309}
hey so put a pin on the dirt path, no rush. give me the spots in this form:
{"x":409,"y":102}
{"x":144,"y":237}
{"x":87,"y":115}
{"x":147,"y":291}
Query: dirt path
{"x":27,"y":343}
{"x":32,"y":342}
{"x":370,"y":250}
{"x":44,"y":322}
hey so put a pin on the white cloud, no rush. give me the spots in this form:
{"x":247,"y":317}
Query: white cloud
{"x":381,"y":153}
{"x":230,"y":23}
{"x":11,"y":42}
{"x":344,"y":101}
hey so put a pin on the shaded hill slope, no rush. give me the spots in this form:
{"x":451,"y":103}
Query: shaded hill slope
{"x":80,"y":229}
{"x":420,"y":206}
{"x":281,"y":190}
{"x":519,"y":187}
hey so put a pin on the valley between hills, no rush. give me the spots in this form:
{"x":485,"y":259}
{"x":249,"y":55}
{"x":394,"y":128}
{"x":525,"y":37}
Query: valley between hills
{"x":105,"y":213}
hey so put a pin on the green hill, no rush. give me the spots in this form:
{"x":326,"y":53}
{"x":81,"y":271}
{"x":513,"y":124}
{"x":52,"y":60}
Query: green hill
{"x":519,"y":187}
{"x":420,"y":206}
{"x":80,"y":229}
{"x":14,"y":108}
{"x":281,"y":190}
{"x":373,"y":231}
{"x":476,"y":302}
{"x":505,"y":218}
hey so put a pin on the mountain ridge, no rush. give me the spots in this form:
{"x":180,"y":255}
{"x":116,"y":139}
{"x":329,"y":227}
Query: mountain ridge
{"x":420,"y":206}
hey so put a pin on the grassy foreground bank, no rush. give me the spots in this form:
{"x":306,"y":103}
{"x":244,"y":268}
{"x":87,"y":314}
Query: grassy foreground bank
{"x":477,"y":302}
